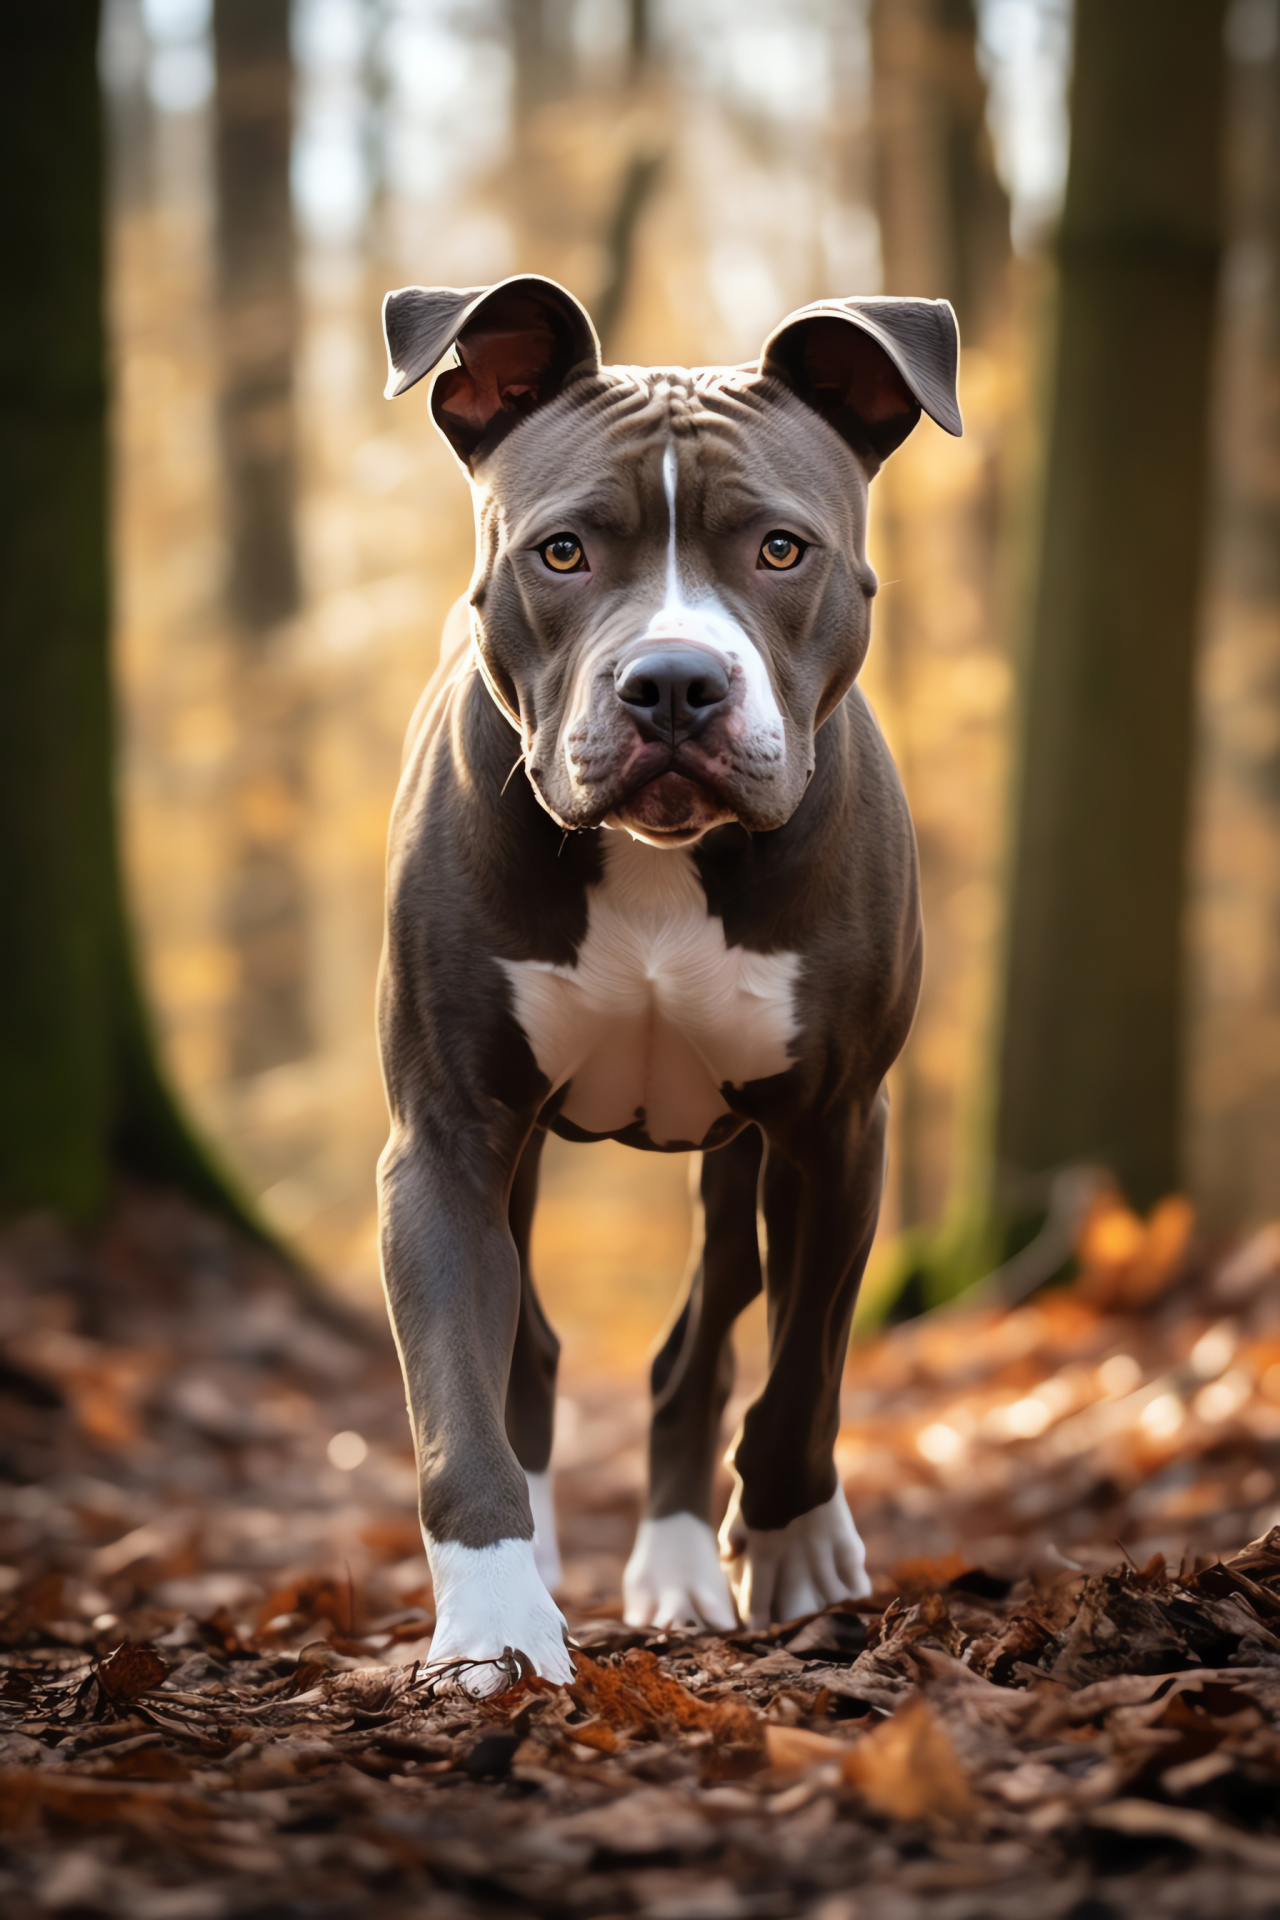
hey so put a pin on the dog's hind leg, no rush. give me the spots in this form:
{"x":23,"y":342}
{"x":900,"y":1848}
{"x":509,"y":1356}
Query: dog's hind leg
{"x":674,"y":1576}
{"x":531,"y":1385}
{"x":788,"y":1536}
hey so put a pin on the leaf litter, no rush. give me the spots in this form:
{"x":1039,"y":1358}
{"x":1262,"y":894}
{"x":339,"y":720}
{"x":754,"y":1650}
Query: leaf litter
{"x":216,"y":1694}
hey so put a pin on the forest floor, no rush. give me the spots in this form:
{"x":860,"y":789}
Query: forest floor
{"x":1063,"y":1697}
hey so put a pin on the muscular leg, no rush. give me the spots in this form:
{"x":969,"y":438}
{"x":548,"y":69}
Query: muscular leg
{"x":788,"y":1534}
{"x":531,"y":1387}
{"x":674,"y":1576}
{"x":452,"y":1275}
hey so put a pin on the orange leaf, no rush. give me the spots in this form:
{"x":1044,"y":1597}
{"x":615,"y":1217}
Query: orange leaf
{"x":907,"y":1768}
{"x":1127,"y":1263}
{"x":1169,"y":1231}
{"x":909,"y":1576}
{"x":637,"y":1694}
{"x":795,"y":1750}
{"x":594,"y":1733}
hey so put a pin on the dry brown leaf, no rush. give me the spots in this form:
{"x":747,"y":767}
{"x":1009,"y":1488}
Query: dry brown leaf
{"x":637,"y":1694}
{"x":152,"y":1763}
{"x":129,"y":1672}
{"x":316,"y":1596}
{"x":26,"y":1795}
{"x":907,"y":1767}
{"x":795,"y":1749}
{"x":1192,"y":1828}
{"x":104,"y":1386}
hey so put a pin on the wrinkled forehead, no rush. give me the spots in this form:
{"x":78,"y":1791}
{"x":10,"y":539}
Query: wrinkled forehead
{"x":745,"y":448}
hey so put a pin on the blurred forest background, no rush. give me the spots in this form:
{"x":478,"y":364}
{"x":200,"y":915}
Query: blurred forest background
{"x":287,"y":545}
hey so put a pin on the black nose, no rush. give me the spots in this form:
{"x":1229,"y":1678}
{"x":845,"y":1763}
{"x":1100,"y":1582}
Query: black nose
{"x":674,"y":689}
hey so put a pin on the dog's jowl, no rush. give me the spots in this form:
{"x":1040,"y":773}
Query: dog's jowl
{"x":652,"y":879}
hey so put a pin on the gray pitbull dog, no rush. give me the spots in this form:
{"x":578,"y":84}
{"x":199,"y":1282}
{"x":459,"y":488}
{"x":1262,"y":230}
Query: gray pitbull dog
{"x":652,"y":878}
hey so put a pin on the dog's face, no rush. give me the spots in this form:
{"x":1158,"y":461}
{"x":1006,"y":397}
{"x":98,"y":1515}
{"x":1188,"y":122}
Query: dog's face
{"x":671,"y":581}
{"x":671,"y":590}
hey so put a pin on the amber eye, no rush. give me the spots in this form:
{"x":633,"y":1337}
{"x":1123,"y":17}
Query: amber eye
{"x":563,"y":554}
{"x":780,"y":550}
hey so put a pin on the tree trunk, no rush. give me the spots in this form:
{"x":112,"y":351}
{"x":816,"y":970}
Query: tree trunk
{"x":1091,"y":1061}
{"x":936,"y":516}
{"x":944,"y":215}
{"x":571,"y":190}
{"x":258,"y":305}
{"x":267,"y":912}
{"x":1233,"y":1143}
{"x":80,"y":1095}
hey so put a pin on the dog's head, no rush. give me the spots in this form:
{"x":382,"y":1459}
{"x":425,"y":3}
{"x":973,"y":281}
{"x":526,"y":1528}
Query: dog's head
{"x":671,"y":590}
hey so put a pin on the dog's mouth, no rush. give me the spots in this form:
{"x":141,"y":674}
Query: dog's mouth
{"x":671,"y":796}
{"x":671,"y":810}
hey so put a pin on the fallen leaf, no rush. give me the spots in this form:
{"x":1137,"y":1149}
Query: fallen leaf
{"x":593,"y":1733}
{"x":637,"y":1694}
{"x":129,"y":1672}
{"x":25,"y":1796}
{"x":913,"y":1576}
{"x":1191,"y":1827}
{"x":1127,"y":1263}
{"x":907,"y":1767}
{"x":795,"y":1749}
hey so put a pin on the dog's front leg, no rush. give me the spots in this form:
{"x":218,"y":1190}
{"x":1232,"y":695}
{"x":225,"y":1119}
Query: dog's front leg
{"x":788,"y":1536}
{"x":452,"y":1276}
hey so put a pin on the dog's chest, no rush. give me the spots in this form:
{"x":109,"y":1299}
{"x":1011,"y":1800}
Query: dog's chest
{"x":658,"y":1014}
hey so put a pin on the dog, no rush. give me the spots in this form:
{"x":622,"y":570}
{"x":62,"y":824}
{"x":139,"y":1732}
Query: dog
{"x":651,"y":878}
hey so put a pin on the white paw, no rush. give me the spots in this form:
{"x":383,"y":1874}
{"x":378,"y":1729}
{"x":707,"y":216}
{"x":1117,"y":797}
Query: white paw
{"x":546,"y":1548}
{"x":490,"y":1601}
{"x":781,"y":1572}
{"x":674,"y":1577}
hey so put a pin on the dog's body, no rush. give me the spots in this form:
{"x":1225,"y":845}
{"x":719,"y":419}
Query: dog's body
{"x":679,"y":910}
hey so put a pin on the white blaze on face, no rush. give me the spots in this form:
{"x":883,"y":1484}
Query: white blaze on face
{"x":757,"y":721}
{"x":670,"y":473}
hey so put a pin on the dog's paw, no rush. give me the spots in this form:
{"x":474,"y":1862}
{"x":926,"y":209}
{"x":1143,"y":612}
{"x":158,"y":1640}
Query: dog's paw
{"x":490,"y":1604}
{"x":674,"y":1577}
{"x":546,"y":1547}
{"x":780,"y":1573}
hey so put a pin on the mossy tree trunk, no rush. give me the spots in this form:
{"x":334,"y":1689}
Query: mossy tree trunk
{"x":81,"y":1100}
{"x":1091,"y":1062}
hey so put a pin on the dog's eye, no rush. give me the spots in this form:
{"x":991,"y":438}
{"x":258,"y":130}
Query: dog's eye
{"x":563,"y":554}
{"x":780,"y":551}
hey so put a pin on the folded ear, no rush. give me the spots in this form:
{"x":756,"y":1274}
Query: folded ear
{"x":517,"y":345}
{"x":870,"y":366}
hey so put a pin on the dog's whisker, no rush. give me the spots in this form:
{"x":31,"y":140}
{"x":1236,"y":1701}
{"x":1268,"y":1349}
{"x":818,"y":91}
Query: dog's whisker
{"x":518,"y":761}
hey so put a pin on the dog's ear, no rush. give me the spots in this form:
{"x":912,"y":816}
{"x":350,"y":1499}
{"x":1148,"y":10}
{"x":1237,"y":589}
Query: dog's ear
{"x":517,"y":345}
{"x":870,"y":366}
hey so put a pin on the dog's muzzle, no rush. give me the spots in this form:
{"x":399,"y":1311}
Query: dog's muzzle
{"x":672,"y":690}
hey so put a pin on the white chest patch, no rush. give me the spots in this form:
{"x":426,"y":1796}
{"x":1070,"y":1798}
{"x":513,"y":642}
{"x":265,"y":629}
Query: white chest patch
{"x":658,"y":1013}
